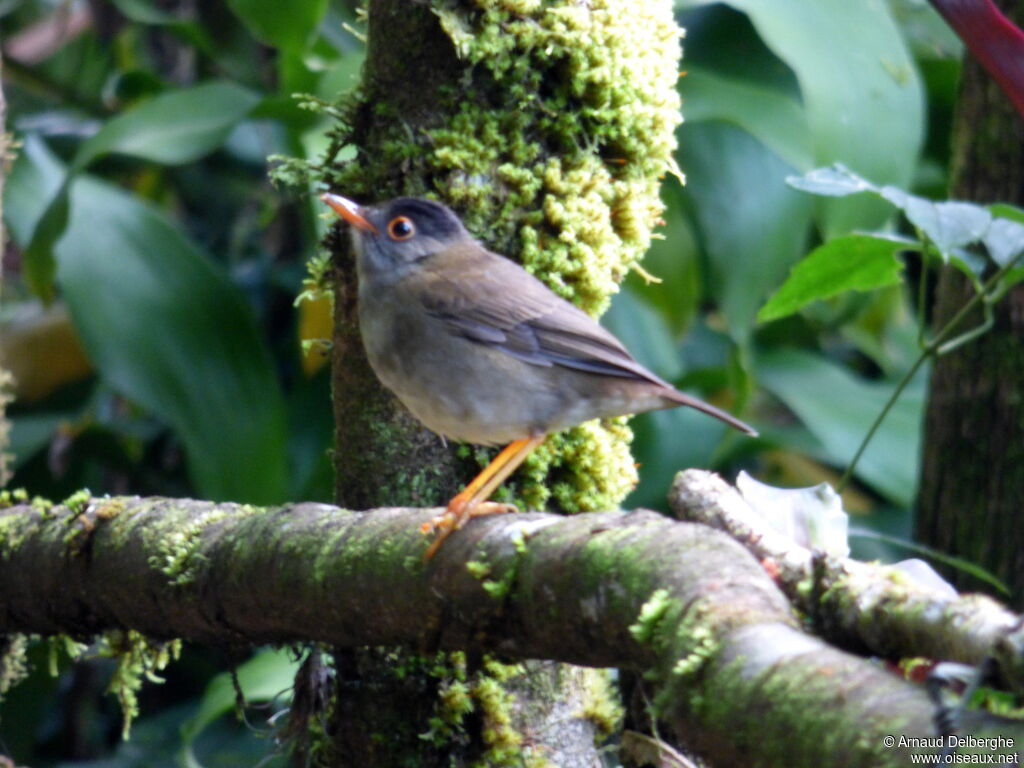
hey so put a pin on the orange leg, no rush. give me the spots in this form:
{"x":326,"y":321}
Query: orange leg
{"x":472,"y":500}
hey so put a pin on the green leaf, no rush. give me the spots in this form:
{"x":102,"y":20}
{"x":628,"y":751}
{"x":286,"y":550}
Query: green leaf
{"x":838,"y":408}
{"x":288,"y":26}
{"x":927,"y":33}
{"x":37,"y":258}
{"x":166,"y":328}
{"x":752,"y":226}
{"x":645,"y":333}
{"x":1004,"y":240}
{"x":861,"y":90}
{"x":173,"y":128}
{"x":1007,"y":211}
{"x":266,"y":675}
{"x":834,"y":180}
{"x":949,"y":225}
{"x":771,"y":115}
{"x":31,"y":432}
{"x":857,"y":262}
{"x":1014,"y":276}
{"x":144,"y":12}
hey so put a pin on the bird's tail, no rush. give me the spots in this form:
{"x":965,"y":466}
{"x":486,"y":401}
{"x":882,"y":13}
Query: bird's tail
{"x":684,"y":399}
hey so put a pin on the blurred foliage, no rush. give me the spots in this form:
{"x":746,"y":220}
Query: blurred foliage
{"x":151,"y":272}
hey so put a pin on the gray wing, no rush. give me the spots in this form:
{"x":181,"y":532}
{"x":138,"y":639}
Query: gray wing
{"x":528,"y":322}
{"x":496,"y":302}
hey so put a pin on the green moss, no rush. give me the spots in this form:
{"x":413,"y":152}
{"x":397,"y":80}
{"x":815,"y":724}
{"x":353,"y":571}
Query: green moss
{"x":13,"y":497}
{"x":790,"y":696}
{"x":78,"y":501}
{"x":73,"y":649}
{"x":43,"y":506}
{"x":503,"y":741}
{"x":602,"y":705}
{"x":138,"y":659}
{"x":178,"y":549}
{"x":404,"y":486}
{"x":486,"y":694}
{"x":565,"y":158}
{"x":572,"y":469}
{"x":13,"y":661}
{"x":501,"y":585}
{"x":478,"y":569}
{"x":652,"y":616}
{"x":110,"y":508}
{"x":13,"y":531}
{"x":703,"y":647}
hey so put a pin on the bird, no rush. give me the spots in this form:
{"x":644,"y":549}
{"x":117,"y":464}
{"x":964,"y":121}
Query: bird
{"x":481,"y":351}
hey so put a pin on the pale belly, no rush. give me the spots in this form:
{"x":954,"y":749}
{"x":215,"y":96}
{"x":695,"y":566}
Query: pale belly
{"x":476,"y":393}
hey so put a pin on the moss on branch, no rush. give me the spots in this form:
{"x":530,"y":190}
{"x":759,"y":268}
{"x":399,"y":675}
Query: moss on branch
{"x":680,"y":602}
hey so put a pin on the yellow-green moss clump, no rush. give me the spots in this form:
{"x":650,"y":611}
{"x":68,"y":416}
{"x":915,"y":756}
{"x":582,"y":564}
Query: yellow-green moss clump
{"x":564,"y":161}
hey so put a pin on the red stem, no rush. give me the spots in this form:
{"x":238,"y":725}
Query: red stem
{"x":993,"y":39}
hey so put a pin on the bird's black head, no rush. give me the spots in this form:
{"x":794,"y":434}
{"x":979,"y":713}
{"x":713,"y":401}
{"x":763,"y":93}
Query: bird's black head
{"x":397,"y":233}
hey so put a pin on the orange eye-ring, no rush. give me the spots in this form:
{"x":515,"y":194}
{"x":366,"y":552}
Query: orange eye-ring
{"x":401,"y":228}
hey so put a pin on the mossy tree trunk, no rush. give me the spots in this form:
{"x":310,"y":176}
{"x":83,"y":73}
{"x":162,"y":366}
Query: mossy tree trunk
{"x":972,"y":486}
{"x":547,"y":126}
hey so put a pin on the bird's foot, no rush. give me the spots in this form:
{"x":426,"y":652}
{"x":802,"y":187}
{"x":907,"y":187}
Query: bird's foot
{"x":459,"y":513}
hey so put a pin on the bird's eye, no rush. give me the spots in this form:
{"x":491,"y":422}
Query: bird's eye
{"x":401,"y":228}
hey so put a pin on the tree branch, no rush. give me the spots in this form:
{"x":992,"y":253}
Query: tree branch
{"x":861,"y":606}
{"x":681,"y":602}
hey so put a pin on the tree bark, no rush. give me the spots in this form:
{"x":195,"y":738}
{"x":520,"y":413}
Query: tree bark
{"x":972,"y":486}
{"x":682,"y":603}
{"x":862,"y":607}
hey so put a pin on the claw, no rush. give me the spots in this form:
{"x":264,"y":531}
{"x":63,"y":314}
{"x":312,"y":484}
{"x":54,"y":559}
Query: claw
{"x":471,"y":502}
{"x":454,"y":519}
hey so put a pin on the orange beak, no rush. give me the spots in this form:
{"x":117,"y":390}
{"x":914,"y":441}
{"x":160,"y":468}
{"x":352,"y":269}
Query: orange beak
{"x":349,"y":211}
